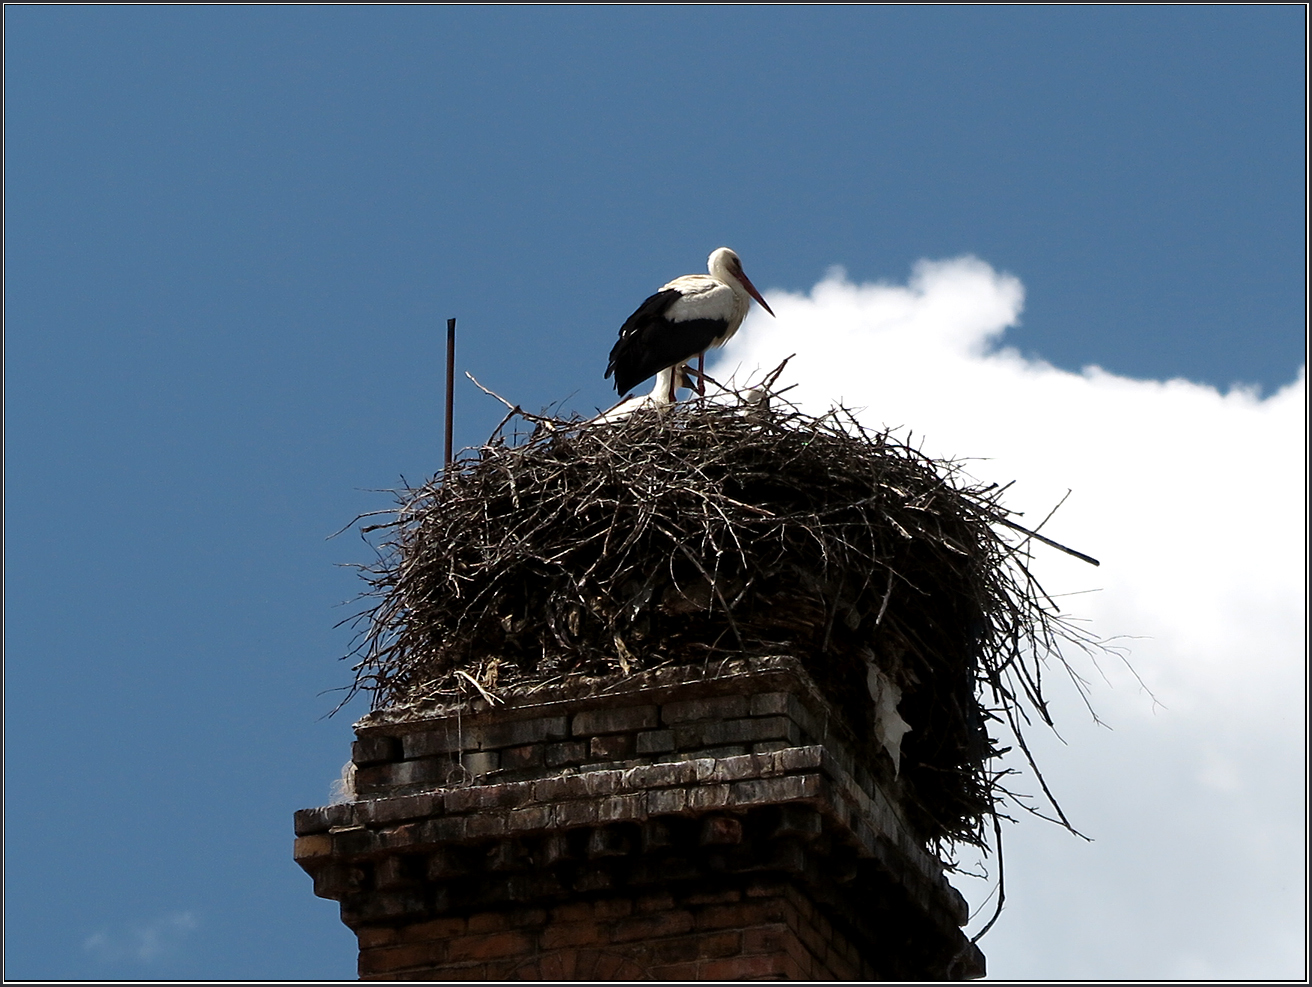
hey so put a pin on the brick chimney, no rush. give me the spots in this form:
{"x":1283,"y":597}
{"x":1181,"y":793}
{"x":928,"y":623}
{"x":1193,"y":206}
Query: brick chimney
{"x":686,"y":823}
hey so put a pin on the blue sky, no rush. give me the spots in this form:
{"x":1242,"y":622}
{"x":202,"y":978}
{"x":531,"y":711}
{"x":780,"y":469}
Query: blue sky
{"x":234,"y":235}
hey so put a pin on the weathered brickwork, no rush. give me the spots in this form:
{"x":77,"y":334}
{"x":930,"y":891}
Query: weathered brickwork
{"x":687,"y":826}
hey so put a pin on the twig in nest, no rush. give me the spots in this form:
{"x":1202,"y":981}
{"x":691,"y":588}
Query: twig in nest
{"x":731,"y":527}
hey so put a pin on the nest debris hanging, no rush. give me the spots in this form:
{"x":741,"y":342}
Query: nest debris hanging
{"x":712,"y":530}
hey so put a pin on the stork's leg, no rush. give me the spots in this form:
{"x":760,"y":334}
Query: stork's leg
{"x":701,"y":374}
{"x":675,"y":373}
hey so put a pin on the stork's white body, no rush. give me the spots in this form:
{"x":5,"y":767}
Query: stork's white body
{"x":688,"y":316}
{"x":705,"y":296}
{"x":661,"y":396}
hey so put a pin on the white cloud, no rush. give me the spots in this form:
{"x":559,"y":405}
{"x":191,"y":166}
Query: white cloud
{"x":142,"y":944}
{"x":1194,"y":501}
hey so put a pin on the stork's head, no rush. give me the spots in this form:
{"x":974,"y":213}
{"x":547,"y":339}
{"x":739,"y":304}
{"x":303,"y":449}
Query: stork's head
{"x":724,"y":265}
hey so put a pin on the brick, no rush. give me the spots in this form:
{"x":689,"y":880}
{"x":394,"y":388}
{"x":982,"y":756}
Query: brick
{"x":746,"y":967}
{"x":375,"y":749}
{"x":608,"y":841}
{"x":655,"y":741}
{"x":571,"y":752}
{"x":713,"y":897}
{"x":531,"y":819}
{"x":310,"y":847}
{"x":788,"y":856}
{"x":676,"y":971}
{"x":613,"y":747}
{"x":842,"y":969}
{"x":709,"y":797}
{"x":737,"y":731}
{"x":533,"y":886}
{"x":824,"y":928}
{"x":666,"y":801}
{"x":504,"y":856}
{"x":519,"y":758}
{"x":791,"y":788}
{"x":660,"y":775}
{"x":324,"y":818}
{"x":402,"y":836}
{"x":390,"y":959}
{"x":456,"y":801}
{"x":799,"y":821}
{"x":815,"y":729}
{"x":623,"y":720}
{"x":440,"y":928}
{"x":681,"y":949}
{"x":800,"y":902}
{"x":504,"y":795}
{"x":720,"y":753}
{"x":555,"y":846}
{"x":593,"y":878}
{"x":382,"y":906}
{"x":812,"y":939}
{"x":560,"y":788}
{"x":609,"y":966}
{"x":352,"y":842}
{"x":386,"y":810}
{"x":559,"y":966}
{"x":376,"y":935}
{"x":485,"y":824}
{"x":653,"y":926}
{"x":655,"y":902}
{"x":471,"y":972}
{"x":766,"y":938}
{"x":702,"y":767}
{"x":446,"y":739}
{"x":798,"y":759}
{"x":574,"y":911}
{"x":768,"y":887}
{"x":487,"y":922}
{"x":335,"y":880}
{"x":648,"y":871}
{"x":426,"y":771}
{"x":602,"y":782}
{"x":518,"y":732}
{"x":394,"y":872}
{"x":612,"y":908}
{"x":804,"y":958}
{"x":655,"y":834}
{"x":580,"y":813}
{"x":479,"y":763}
{"x":373,"y":779}
{"x":622,"y":808}
{"x":740,"y":915}
{"x":559,"y":935}
{"x":769,"y":704}
{"x":721,"y":830}
{"x":717,"y":708}
{"x":717,"y":945}
{"x":445,"y":830}
{"x":738,"y":768}
{"x":496,"y":946}
{"x":790,"y":969}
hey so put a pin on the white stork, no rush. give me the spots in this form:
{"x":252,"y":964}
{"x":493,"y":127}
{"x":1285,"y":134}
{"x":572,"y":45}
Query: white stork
{"x":684,"y":319}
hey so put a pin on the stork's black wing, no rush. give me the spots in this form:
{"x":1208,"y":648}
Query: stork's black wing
{"x":649,"y":342}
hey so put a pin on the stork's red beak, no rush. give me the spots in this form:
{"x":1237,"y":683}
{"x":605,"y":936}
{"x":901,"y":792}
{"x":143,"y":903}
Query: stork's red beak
{"x":751,"y":289}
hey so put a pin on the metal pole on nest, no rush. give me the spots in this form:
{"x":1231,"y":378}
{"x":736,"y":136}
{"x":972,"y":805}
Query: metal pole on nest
{"x":450,"y":384}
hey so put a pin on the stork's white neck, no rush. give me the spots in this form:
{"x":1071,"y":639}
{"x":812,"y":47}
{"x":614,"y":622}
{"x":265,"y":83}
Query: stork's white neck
{"x":721,"y":266}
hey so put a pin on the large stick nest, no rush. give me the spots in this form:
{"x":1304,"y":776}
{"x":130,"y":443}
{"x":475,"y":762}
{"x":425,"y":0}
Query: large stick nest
{"x":714,"y":530}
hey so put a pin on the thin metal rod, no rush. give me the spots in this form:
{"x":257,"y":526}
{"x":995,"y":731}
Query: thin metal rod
{"x":450,"y":384}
